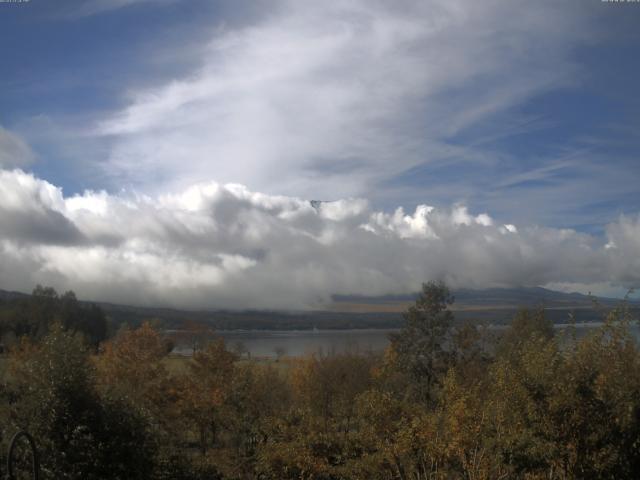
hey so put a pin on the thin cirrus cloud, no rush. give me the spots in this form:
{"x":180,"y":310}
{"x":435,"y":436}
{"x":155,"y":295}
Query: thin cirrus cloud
{"x":225,"y":246}
{"x":95,"y":7}
{"x":334,"y":99}
{"x":14,"y":151}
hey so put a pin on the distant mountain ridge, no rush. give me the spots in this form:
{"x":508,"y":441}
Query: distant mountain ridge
{"x":493,"y":305}
{"x":9,"y":295}
{"x":516,"y":296}
{"x":511,"y":297}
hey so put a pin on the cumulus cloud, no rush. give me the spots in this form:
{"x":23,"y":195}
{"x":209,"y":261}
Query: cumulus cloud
{"x":330,"y":99}
{"x":225,"y":246}
{"x":14,"y":152}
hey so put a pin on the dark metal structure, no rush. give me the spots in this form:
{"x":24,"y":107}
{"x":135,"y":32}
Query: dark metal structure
{"x":11,"y":456}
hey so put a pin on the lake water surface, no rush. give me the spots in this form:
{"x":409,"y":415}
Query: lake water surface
{"x":265,"y":343}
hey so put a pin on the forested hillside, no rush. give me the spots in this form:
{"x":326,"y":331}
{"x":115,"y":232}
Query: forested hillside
{"x":31,"y":316}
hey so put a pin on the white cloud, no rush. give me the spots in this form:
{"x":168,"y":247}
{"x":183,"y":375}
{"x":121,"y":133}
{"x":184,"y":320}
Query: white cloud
{"x":94,"y":7}
{"x":509,"y":228}
{"x":226,"y":246}
{"x":14,"y":152}
{"x":623,"y":248}
{"x":329,"y":99}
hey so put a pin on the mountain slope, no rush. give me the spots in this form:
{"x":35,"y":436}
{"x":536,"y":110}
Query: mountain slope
{"x":495,"y":305}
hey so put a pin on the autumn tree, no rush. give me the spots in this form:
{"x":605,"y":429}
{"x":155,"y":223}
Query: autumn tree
{"x":131,"y":370}
{"x":527,"y":325}
{"x":132,"y":362}
{"x":204,"y":390}
{"x":258,"y":400}
{"x":315,"y":438}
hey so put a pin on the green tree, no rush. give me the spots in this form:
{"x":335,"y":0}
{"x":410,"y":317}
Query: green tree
{"x":80,"y":435}
{"x":33,"y":316}
{"x":525,"y":327}
{"x":421,"y":347}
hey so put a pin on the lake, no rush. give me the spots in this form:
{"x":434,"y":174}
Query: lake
{"x":268,"y":343}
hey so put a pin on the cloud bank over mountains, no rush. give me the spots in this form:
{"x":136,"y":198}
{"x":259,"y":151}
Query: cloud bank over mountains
{"x":224,"y":246}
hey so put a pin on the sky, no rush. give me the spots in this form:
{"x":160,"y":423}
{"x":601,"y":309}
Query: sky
{"x":166,"y":152}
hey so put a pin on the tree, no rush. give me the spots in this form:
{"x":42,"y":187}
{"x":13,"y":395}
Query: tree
{"x":328,"y":385}
{"x":420,"y":348}
{"x":258,"y":398}
{"x":90,"y":320}
{"x":79,"y":434}
{"x":240,"y":349}
{"x":131,"y":372}
{"x":204,"y":390}
{"x":472,"y":352}
{"x":280,"y":352}
{"x":131,"y":364}
{"x":526,"y":326}
{"x":33,"y":316}
{"x":194,"y":334}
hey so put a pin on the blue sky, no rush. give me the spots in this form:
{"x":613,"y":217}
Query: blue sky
{"x":527,"y":111}
{"x":72,"y":63}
